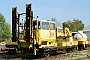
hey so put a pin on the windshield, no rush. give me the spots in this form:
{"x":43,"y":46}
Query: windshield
{"x":45,"y":25}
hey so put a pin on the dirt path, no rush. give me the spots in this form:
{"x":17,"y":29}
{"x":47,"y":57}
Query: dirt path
{"x":76,"y":55}
{"x":81,"y":55}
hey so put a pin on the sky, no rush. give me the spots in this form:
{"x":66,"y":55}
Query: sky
{"x":62,"y":10}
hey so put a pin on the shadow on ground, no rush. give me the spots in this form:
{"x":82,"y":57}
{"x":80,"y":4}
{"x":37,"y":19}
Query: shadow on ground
{"x":14,"y":56}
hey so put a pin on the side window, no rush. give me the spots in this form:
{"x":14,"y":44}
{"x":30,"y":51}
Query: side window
{"x":60,"y":30}
{"x":35,"y":25}
{"x":52,"y":26}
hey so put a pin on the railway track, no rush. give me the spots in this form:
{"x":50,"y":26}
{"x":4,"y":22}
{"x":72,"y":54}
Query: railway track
{"x":19,"y":56}
{"x":66,"y":56}
{"x":6,"y":55}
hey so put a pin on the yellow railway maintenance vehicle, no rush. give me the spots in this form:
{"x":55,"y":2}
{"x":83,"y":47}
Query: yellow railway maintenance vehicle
{"x":38,"y":37}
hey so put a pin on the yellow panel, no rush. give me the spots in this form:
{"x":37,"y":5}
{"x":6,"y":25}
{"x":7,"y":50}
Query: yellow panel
{"x":68,"y":43}
{"x":81,"y":42}
{"x":72,"y":42}
{"x":48,"y":40}
{"x":75,"y":42}
{"x":58,"y":43}
{"x":86,"y":42}
{"x":80,"y":39}
{"x":61,"y":43}
{"x":46,"y":35}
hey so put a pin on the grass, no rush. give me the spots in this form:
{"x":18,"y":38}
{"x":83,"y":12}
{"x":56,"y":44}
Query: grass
{"x":88,"y":56}
{"x":80,"y":59}
{"x":75,"y":51}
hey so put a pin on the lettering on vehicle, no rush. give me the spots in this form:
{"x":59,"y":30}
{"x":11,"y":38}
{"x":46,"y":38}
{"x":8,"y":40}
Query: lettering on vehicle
{"x":51,"y":34}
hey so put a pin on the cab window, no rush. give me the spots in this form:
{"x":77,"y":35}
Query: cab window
{"x":45,"y":25}
{"x":52,"y":26}
{"x":35,"y":25}
{"x":60,"y":30}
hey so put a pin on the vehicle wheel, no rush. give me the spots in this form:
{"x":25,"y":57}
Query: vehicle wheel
{"x":47,"y":55}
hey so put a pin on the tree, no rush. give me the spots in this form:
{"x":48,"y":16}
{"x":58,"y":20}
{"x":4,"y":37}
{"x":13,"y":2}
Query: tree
{"x":5,"y":30}
{"x":74,"y":25}
{"x":56,"y":21}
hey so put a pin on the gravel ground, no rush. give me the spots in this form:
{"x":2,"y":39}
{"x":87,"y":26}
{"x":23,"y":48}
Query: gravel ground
{"x":2,"y":46}
{"x":80,"y":55}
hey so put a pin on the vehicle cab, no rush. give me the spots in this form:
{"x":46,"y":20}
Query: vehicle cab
{"x":44,"y":32}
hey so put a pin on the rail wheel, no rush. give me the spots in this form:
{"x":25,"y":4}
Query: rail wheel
{"x":47,"y":55}
{"x":64,"y":51}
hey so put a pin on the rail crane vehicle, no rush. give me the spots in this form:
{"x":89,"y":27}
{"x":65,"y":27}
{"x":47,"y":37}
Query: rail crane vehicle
{"x":41,"y":37}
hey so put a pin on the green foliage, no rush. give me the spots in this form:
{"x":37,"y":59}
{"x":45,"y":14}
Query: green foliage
{"x":74,"y":25}
{"x":80,"y":59}
{"x":5,"y":31}
{"x":75,"y":51}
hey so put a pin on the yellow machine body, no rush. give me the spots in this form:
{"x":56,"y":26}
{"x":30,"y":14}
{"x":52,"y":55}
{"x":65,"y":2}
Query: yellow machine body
{"x":63,"y":32}
{"x":45,"y":35}
{"x":64,"y":37}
